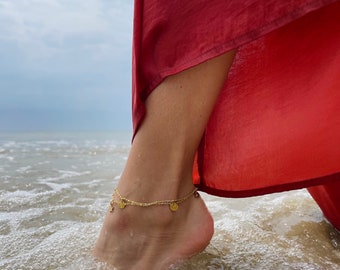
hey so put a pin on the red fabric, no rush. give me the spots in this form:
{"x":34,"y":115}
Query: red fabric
{"x":327,"y":197}
{"x":170,"y":36}
{"x":276,"y":125}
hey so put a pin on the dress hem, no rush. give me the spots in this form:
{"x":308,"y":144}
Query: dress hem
{"x":271,"y":189}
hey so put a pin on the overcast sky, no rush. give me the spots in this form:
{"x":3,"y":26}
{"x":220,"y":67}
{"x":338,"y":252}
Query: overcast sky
{"x":65,"y":64}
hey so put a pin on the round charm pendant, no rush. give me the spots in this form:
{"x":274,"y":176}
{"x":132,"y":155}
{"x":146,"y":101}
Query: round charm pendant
{"x":173,"y":207}
{"x":121,"y":204}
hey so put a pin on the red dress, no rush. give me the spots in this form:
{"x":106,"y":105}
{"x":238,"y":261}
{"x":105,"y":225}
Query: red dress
{"x":276,"y":124}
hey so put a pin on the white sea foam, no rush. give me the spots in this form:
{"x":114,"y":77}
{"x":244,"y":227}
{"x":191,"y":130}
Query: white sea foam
{"x":21,"y":196}
{"x":56,"y":186}
{"x":10,"y":144}
{"x":9,"y":158}
{"x":24,"y":169}
{"x":68,"y":174}
{"x":43,"y":162}
{"x":55,"y":142}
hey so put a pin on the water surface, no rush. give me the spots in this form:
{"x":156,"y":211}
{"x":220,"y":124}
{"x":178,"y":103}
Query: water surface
{"x":55,"y":189}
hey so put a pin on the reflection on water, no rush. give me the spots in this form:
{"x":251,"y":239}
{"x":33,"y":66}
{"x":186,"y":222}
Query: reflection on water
{"x":54,"y":193}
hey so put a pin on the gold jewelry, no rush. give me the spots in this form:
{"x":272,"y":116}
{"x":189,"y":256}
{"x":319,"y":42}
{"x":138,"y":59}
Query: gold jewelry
{"x":173,"y":204}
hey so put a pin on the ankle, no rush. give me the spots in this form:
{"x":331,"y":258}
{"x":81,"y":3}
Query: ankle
{"x":169,"y":236}
{"x":159,"y":212}
{"x":121,"y":202}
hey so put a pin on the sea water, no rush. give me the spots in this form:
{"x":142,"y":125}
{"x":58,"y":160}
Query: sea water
{"x":55,"y":189}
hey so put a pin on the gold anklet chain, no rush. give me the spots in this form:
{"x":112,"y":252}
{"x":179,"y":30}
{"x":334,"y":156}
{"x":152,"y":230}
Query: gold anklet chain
{"x":173,"y":204}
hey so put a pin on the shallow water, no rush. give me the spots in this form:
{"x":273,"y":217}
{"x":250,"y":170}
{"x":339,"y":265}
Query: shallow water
{"x":55,"y":189}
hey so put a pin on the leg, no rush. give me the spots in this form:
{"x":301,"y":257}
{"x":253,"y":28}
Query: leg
{"x":159,"y":167}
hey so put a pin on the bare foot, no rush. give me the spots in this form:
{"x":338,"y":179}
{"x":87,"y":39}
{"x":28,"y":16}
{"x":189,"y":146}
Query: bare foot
{"x":147,"y":238}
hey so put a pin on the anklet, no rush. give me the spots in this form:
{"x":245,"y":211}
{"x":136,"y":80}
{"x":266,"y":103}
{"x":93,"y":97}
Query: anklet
{"x":173,"y":204}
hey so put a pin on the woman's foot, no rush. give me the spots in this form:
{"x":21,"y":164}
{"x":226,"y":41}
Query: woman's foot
{"x":147,"y":238}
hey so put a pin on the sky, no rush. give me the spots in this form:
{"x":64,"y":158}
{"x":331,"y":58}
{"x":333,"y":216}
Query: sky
{"x":65,"y":65}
